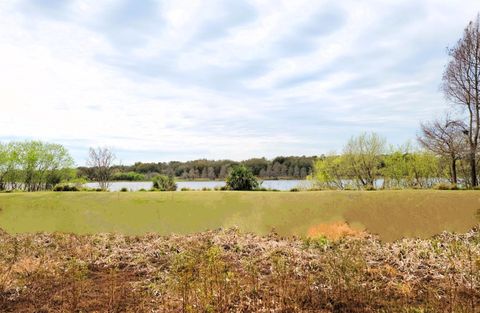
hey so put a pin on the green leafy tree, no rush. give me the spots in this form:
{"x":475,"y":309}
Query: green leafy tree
{"x":164,"y":183}
{"x":405,"y":167}
{"x":33,"y":165}
{"x":241,"y":178}
{"x":363,"y":156}
{"x":330,"y":172}
{"x":423,"y":170}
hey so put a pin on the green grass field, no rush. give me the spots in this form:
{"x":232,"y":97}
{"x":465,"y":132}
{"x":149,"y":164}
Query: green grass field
{"x":390,"y":214}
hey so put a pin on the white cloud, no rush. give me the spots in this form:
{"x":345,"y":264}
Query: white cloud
{"x":192,"y":79}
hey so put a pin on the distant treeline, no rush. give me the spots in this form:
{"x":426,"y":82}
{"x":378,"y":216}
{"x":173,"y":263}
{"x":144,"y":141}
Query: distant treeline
{"x":291,"y":167}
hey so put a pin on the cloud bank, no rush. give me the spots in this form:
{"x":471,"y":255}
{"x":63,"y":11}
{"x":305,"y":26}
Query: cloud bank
{"x":165,"y":80}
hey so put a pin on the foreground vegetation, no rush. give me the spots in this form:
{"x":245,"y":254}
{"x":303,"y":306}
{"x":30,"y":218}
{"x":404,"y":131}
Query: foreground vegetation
{"x":229,"y":271}
{"x":390,"y":214}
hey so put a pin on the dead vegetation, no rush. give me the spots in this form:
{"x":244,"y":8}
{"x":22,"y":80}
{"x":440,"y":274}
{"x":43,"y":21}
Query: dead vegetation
{"x":229,"y":271}
{"x":334,"y":231}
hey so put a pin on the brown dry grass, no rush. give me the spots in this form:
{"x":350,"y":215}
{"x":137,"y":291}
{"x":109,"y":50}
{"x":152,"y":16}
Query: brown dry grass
{"x":230,"y":271}
{"x":333,"y":231}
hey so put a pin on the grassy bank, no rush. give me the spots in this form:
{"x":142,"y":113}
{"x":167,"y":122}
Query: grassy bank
{"x":229,"y":271}
{"x":390,"y":214}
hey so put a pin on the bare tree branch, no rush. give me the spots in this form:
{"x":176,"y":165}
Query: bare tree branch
{"x":461,"y":85}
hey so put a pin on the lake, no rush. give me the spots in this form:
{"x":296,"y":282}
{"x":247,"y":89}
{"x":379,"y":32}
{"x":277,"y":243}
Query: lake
{"x":198,"y":185}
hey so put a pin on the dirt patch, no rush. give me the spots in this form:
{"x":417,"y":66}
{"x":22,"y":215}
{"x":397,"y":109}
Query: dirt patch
{"x":334,"y":231}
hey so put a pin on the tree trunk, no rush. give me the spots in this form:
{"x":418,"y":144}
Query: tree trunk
{"x":454,"y":171}
{"x":473,"y":169}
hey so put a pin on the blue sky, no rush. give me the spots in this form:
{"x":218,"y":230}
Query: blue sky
{"x":186,"y":79}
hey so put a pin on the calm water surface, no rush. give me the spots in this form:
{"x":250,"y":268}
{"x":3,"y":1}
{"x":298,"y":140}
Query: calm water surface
{"x":197,"y":185}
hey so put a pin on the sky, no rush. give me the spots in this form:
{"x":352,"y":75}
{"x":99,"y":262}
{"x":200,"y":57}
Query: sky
{"x":186,"y":79}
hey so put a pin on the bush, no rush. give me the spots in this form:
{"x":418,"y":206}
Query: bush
{"x":295,"y":189}
{"x":185,"y":189}
{"x":164,"y":183}
{"x":124,"y":189}
{"x":65,"y":187}
{"x":142,"y":190}
{"x":206,"y":189}
{"x":241,"y":178}
{"x":264,"y":189}
{"x":58,"y":188}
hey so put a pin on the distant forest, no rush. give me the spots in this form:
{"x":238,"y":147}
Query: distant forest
{"x":291,"y":167}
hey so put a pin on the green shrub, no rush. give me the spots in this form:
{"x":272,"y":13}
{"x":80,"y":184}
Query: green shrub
{"x":264,"y":189}
{"x":124,"y":189}
{"x":185,"y":189}
{"x":241,"y":178}
{"x":295,"y":189}
{"x":65,"y":187}
{"x":164,"y":183}
{"x":321,"y":243}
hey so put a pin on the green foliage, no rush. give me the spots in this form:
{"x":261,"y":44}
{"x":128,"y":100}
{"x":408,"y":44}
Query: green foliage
{"x":66,"y":187}
{"x":407,"y":168}
{"x":330,"y":172}
{"x":365,"y":165}
{"x":34,"y":165}
{"x":241,"y":178}
{"x":280,"y":167}
{"x":128,"y":176}
{"x":358,"y":166}
{"x":362,"y":157}
{"x":164,"y":183}
{"x":321,"y":243}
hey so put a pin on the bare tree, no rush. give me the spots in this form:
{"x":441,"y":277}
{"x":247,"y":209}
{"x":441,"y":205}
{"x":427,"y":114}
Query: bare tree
{"x":100,"y":160}
{"x":461,"y":85}
{"x":445,"y":138}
